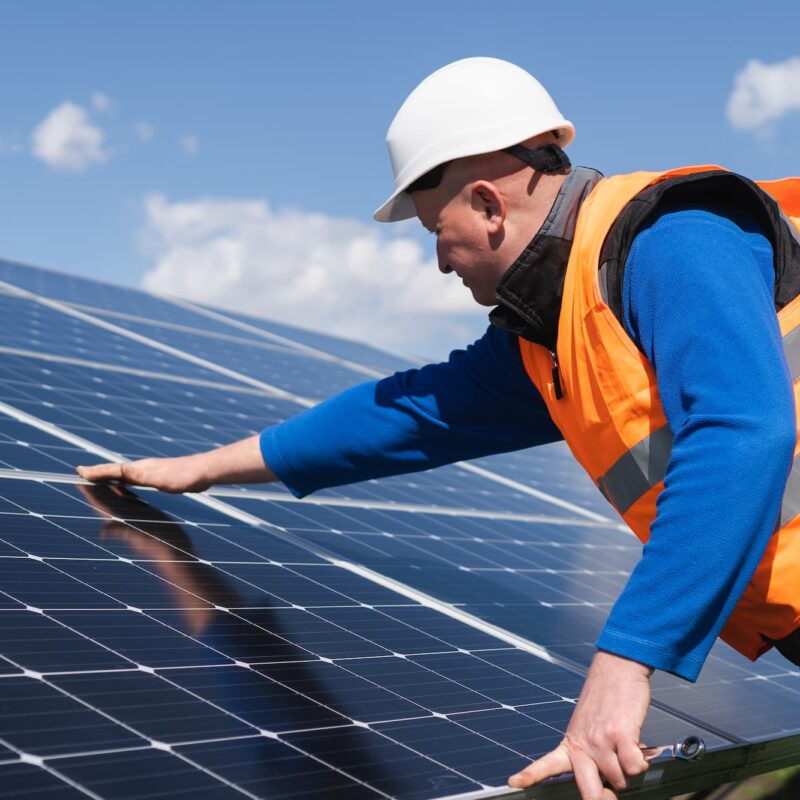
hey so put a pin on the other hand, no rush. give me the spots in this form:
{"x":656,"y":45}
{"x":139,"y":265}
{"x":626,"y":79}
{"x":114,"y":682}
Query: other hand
{"x":176,"y":475}
{"x":602,"y":738}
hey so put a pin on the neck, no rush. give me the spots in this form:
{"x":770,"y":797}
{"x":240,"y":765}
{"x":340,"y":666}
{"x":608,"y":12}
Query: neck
{"x":529,"y":216}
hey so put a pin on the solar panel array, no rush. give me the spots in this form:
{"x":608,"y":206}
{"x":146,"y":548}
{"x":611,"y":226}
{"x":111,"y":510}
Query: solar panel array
{"x":414,"y":637}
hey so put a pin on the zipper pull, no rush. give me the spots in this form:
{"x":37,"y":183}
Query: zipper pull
{"x":556,"y":377}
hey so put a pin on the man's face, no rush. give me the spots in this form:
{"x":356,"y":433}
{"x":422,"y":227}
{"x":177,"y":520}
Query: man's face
{"x":463,"y":243}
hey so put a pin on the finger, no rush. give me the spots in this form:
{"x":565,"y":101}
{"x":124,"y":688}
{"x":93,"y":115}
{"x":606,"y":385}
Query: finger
{"x":101,"y":472}
{"x":587,"y":778}
{"x":609,"y":767}
{"x":556,"y":762}
{"x":633,"y":760}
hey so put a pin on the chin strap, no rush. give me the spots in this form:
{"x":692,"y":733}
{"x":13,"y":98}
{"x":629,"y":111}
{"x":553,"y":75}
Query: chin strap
{"x":548,"y":158}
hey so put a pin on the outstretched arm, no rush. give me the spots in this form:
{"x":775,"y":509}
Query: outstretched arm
{"x":240,"y":462}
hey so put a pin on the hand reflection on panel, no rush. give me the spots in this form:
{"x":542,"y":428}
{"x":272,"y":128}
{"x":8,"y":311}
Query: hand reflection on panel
{"x":324,"y":693}
{"x":160,"y":541}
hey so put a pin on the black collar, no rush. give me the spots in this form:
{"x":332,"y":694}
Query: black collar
{"x":529,"y":293}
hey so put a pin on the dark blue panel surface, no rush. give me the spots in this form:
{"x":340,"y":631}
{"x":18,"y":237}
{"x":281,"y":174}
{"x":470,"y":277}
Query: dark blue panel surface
{"x":38,"y":536}
{"x":312,"y":633}
{"x":132,"y":775}
{"x":140,"y":639}
{"x":38,"y":719}
{"x":284,"y":367}
{"x":24,"y":781}
{"x":457,"y":747}
{"x":44,"y":586}
{"x":382,"y":629}
{"x":240,"y":640}
{"x":274,"y":770}
{"x":479,"y":675}
{"x":348,"y":349}
{"x":33,"y":327}
{"x":386,"y":765}
{"x":38,"y":643}
{"x":257,"y":700}
{"x":153,"y":706}
{"x":420,"y":685}
{"x":341,"y":690}
{"x":551,"y":469}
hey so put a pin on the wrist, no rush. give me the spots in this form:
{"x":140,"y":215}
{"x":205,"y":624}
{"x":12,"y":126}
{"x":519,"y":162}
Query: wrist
{"x":201,"y":469}
{"x":604,"y":659}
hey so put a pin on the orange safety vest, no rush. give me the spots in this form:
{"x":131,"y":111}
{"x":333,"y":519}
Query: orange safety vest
{"x":610,"y":414}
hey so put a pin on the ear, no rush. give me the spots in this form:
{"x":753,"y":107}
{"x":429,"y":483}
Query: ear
{"x":487,"y":199}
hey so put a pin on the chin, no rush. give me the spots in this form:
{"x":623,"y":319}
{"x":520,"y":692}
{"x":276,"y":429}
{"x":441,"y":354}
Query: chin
{"x":485,"y":300}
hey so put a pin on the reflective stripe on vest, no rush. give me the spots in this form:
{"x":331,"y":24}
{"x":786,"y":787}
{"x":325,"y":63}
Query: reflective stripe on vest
{"x":644,"y":466}
{"x":638,"y":470}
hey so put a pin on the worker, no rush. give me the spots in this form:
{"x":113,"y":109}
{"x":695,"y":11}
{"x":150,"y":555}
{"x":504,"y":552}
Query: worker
{"x":649,"y":320}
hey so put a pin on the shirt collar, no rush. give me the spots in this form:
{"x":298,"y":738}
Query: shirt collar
{"x":529,"y":293}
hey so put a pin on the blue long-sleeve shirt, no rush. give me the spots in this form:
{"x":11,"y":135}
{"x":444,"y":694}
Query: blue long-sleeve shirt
{"x":697,"y":298}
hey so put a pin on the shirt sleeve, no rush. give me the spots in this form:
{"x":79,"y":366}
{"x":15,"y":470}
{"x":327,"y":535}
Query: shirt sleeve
{"x":698,"y":299}
{"x":479,"y":402}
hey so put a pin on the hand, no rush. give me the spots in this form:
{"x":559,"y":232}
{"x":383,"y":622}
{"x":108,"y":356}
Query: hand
{"x":176,"y":475}
{"x":602,"y":738}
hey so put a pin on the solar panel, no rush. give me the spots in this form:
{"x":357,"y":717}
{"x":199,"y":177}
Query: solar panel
{"x":414,"y":637}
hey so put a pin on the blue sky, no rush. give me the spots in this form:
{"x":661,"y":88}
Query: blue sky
{"x":247,"y":137}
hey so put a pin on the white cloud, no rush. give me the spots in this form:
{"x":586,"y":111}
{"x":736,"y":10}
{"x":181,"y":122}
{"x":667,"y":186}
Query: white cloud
{"x":66,"y":139}
{"x":103,"y":103}
{"x":190,"y":144}
{"x":331,"y":274}
{"x":145,"y":131}
{"x":763,"y":93}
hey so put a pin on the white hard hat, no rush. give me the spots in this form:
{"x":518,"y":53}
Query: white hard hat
{"x":472,"y":106}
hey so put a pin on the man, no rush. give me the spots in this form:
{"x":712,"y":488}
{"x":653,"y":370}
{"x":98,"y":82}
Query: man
{"x":636,"y":318}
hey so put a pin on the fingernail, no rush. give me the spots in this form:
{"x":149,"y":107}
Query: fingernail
{"x":514,"y":779}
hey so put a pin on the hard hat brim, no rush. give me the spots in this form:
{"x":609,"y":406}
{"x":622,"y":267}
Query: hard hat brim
{"x":398,"y":207}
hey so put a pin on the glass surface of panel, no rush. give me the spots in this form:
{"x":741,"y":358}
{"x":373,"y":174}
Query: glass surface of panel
{"x":348,"y":349}
{"x":281,"y":366}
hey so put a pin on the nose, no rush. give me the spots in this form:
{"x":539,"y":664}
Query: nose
{"x":441,"y":256}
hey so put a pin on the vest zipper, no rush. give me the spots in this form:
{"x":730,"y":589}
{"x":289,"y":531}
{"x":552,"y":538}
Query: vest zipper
{"x":556,"y":376}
